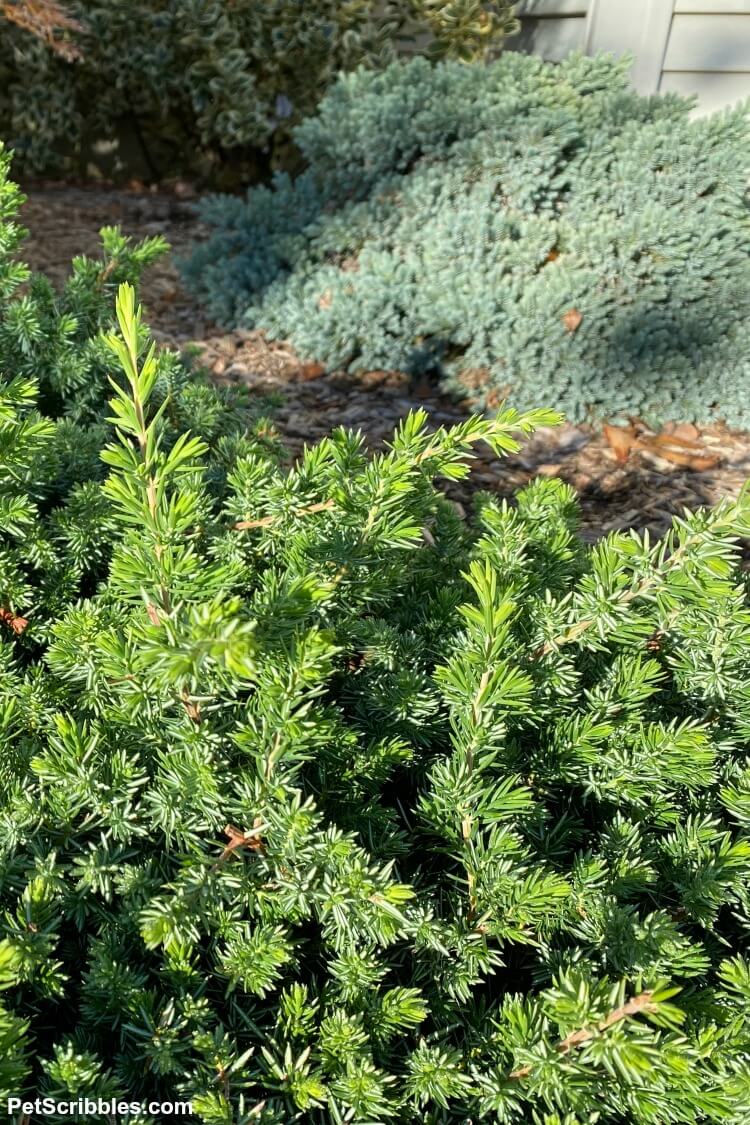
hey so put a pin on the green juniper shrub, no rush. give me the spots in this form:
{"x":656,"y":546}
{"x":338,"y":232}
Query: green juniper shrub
{"x":55,"y":365}
{"x":205,"y":88}
{"x":325,"y":805}
{"x":520,"y":228}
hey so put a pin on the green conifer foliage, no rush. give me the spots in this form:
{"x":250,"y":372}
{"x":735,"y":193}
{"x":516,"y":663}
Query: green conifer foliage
{"x":55,"y":365}
{"x":201,"y":87}
{"x":13,"y":1068}
{"x":321,"y":804}
{"x":522,"y":228}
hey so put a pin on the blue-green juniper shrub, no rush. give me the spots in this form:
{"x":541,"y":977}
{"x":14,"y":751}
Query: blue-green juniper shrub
{"x":521,"y":228}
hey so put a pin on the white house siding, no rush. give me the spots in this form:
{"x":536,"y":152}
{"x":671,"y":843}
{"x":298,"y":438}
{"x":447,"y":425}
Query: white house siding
{"x":712,"y":7}
{"x":699,"y":47}
{"x":714,"y":91}
{"x":551,"y":28}
{"x":708,"y":52}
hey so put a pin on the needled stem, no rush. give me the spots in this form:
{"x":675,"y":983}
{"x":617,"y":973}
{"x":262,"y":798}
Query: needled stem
{"x":467,"y":824}
{"x":645,"y":586}
{"x":641,"y":1003}
{"x":142,"y":437}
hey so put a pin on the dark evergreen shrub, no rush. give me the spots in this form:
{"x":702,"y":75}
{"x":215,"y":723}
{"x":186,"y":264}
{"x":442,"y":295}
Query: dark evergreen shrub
{"x":201,"y":87}
{"x":522,"y":228}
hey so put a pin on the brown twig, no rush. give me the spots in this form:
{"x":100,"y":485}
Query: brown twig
{"x":238,"y":839}
{"x":640,"y":1003}
{"x":268,"y":521}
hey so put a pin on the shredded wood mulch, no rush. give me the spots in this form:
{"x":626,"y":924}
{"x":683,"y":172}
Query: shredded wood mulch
{"x":625,"y":476}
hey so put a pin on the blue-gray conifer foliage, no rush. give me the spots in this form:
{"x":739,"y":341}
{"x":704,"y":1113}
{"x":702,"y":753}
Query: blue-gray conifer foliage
{"x":526,"y":229}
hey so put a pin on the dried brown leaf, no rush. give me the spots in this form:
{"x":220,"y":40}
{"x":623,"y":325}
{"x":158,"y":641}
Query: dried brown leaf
{"x":572,"y":320}
{"x":153,"y":614}
{"x":17,"y":624}
{"x":309,"y":371}
{"x":621,"y":441}
{"x":46,"y":20}
{"x":688,"y":454}
{"x":686,"y":431}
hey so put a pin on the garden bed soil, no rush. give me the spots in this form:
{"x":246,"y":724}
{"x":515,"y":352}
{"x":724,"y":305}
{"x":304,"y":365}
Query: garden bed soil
{"x":642,"y":491}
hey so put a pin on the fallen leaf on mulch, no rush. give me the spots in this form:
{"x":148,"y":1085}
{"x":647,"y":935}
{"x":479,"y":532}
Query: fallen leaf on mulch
{"x":685,"y":431}
{"x":572,"y":319}
{"x":672,"y":439}
{"x":678,"y":450}
{"x":620,"y":441}
{"x":689,"y":454}
{"x":311,"y":371}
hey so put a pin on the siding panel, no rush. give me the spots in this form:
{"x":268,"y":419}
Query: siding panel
{"x":553,"y":39}
{"x":698,"y":47}
{"x":715,"y":91}
{"x":712,"y":7}
{"x":641,"y":29}
{"x":554,"y":7}
{"x":709,"y":42}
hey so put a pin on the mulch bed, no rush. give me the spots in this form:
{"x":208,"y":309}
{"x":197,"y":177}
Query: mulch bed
{"x":642,"y":491}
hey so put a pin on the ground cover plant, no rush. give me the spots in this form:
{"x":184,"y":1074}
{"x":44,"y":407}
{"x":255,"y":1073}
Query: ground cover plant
{"x":521,"y":228}
{"x":196,"y":87}
{"x":320,"y":803}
